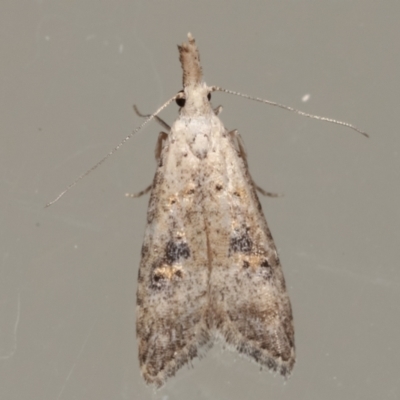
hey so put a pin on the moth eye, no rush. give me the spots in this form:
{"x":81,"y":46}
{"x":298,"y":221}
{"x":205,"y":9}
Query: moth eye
{"x":180,"y":101}
{"x":209,"y":96}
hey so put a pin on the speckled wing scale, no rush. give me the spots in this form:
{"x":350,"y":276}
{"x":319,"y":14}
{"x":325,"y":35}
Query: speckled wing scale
{"x":209,"y":265}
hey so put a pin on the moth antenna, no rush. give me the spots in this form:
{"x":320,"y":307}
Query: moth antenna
{"x":288,"y":108}
{"x":110,"y":153}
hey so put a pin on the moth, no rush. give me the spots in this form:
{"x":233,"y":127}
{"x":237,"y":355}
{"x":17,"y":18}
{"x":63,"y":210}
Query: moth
{"x":209,"y":268}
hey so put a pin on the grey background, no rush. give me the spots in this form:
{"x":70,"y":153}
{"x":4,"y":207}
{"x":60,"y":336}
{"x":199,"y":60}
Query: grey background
{"x":70,"y":73}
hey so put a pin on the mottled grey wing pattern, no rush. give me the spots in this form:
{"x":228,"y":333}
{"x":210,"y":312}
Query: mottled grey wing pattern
{"x":209,"y":264}
{"x":172,"y":285}
{"x":249,"y":305}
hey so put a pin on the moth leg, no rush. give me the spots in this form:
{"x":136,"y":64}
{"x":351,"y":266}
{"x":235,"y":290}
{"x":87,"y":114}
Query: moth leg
{"x":237,"y":139}
{"x":159,"y":146}
{"x":217,"y":110}
{"x":158,"y":119}
{"x":162,"y":137}
{"x":139,"y":194}
{"x":265,"y":193}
